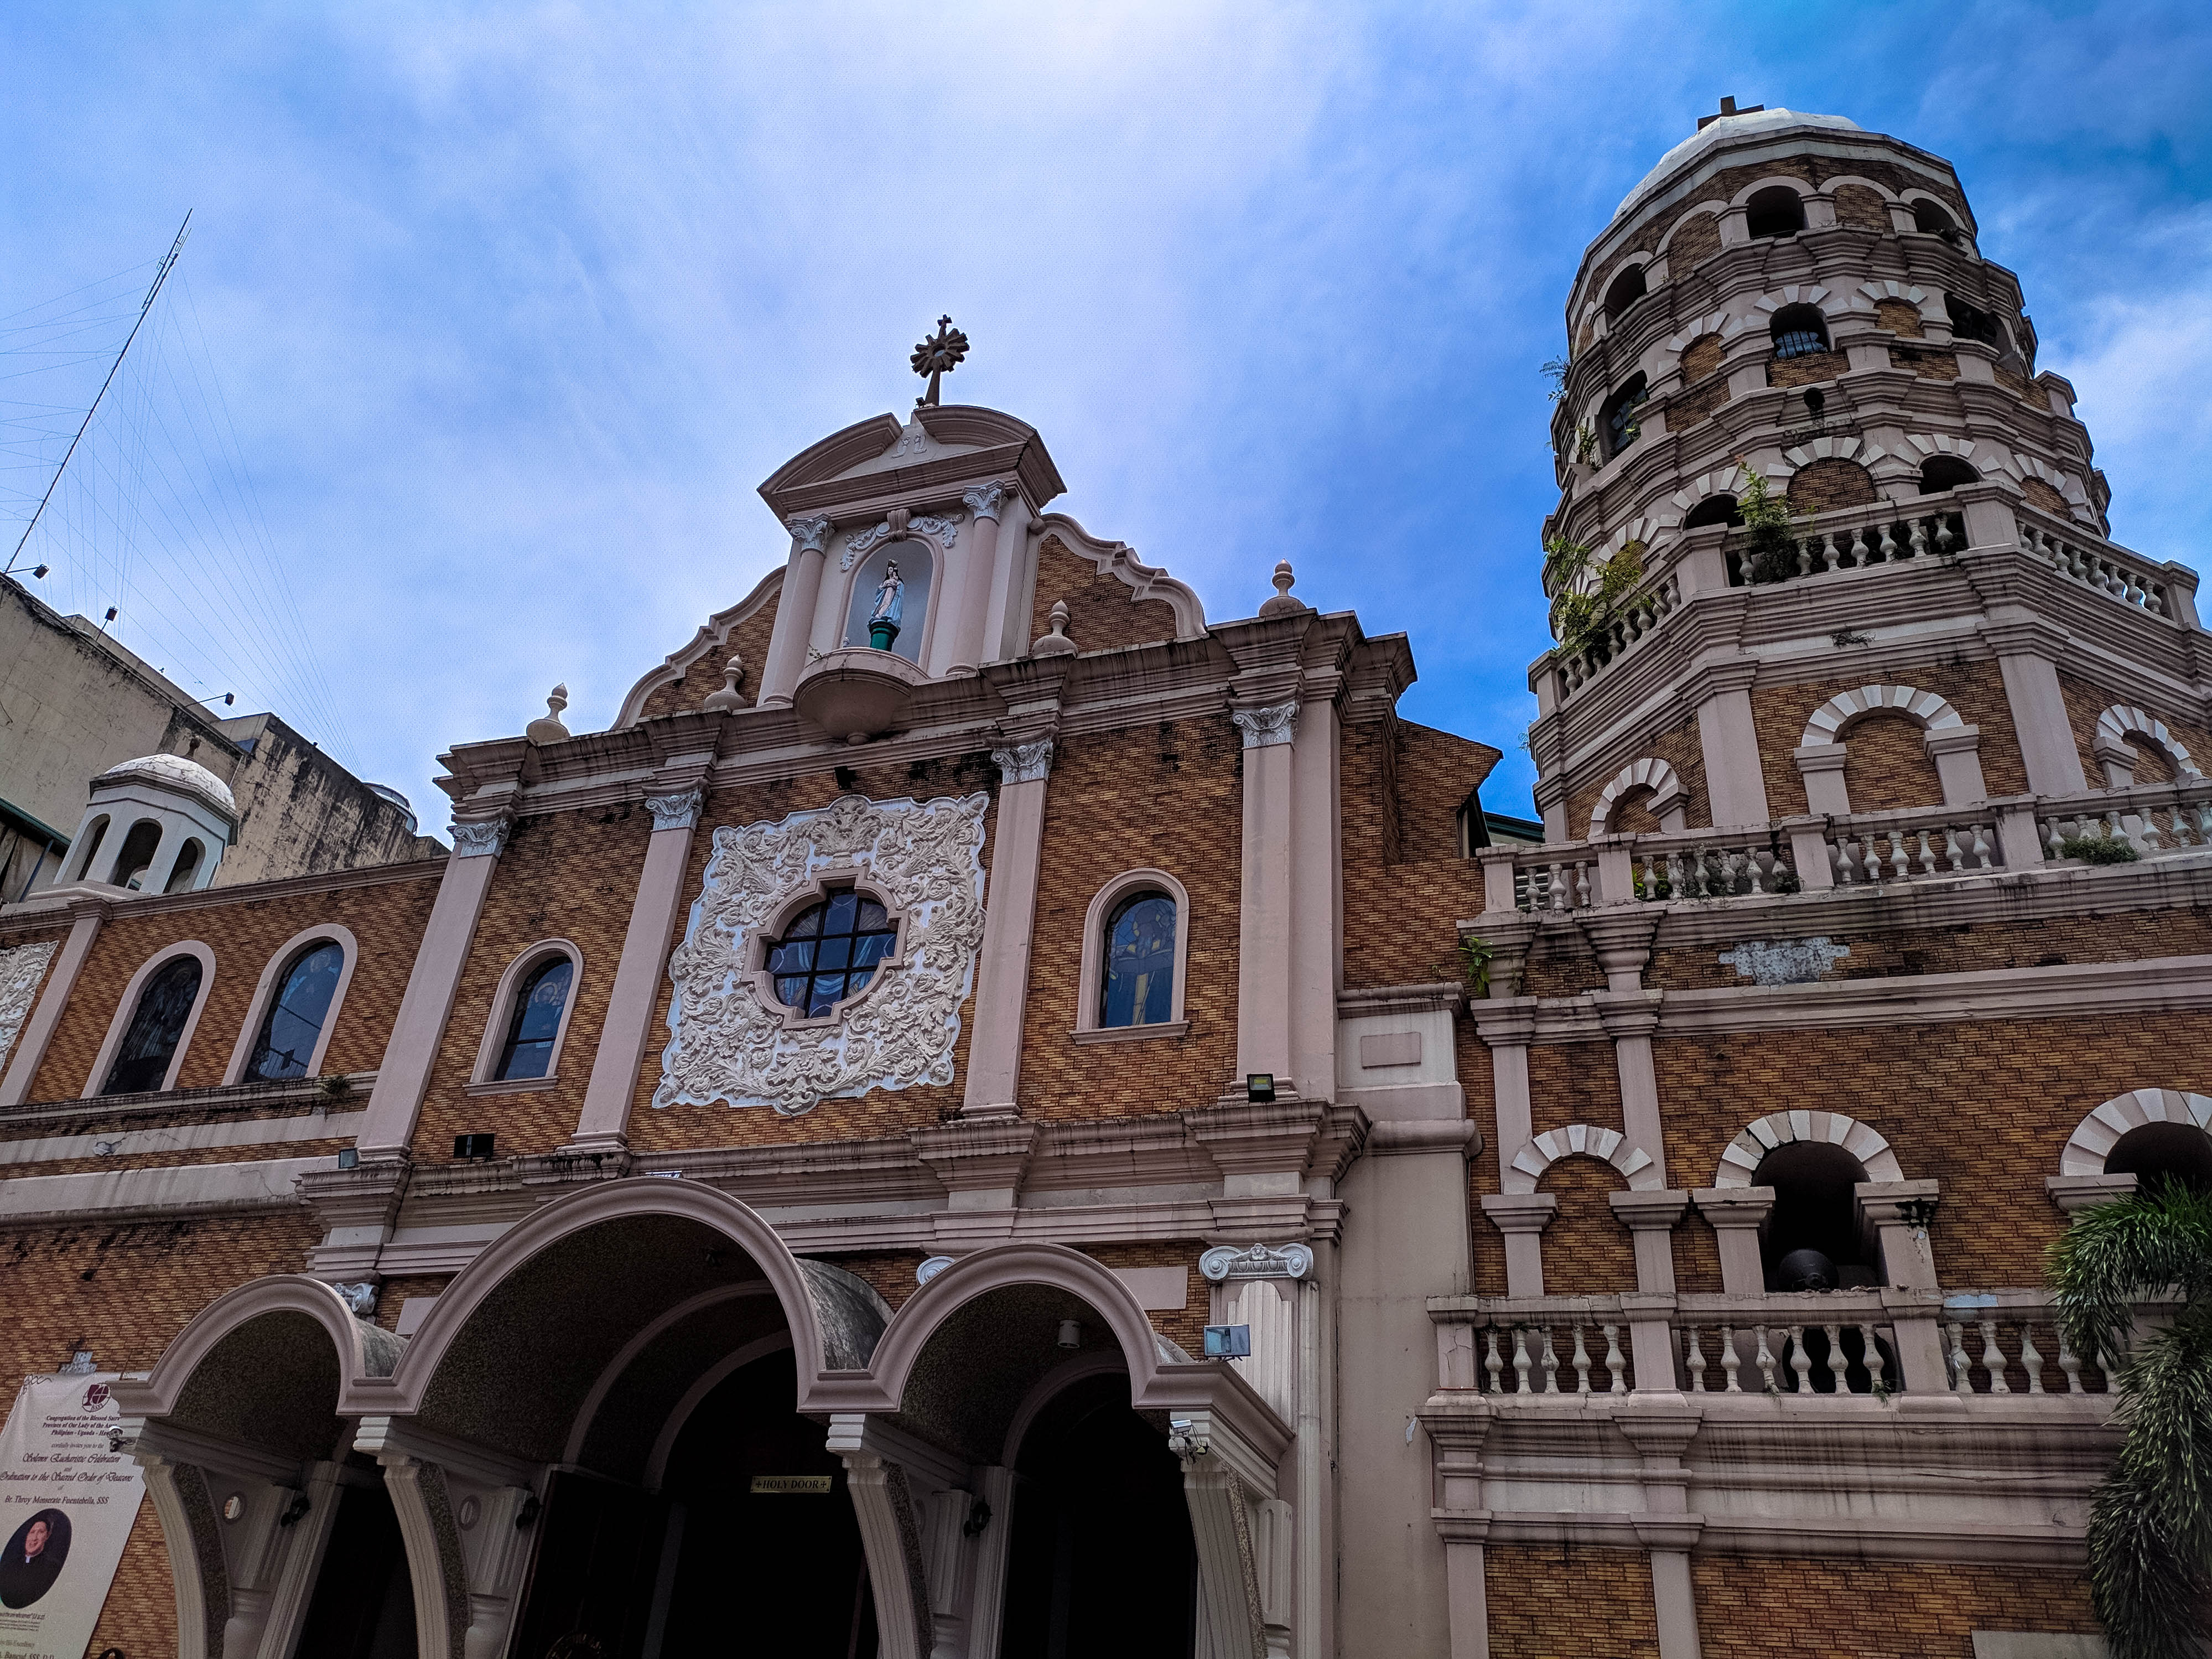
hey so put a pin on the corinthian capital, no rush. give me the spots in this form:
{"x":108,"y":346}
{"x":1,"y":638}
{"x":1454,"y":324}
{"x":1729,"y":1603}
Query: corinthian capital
{"x":673,"y":811}
{"x":1024,"y":762}
{"x":1266,"y":726}
{"x":811,"y":535}
{"x":984,"y":499}
{"x":483,"y":838}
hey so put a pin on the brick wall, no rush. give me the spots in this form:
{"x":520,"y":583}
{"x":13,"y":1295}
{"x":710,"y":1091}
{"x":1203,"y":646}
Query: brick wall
{"x":1477,"y":1080}
{"x":1170,"y":797}
{"x":1436,"y":772}
{"x":1886,"y":765}
{"x":386,"y":918}
{"x":2084,"y":702}
{"x":1899,"y":317}
{"x":1572,"y":1083}
{"x":1688,"y":408}
{"x":1548,"y":1601}
{"x":1808,"y":370}
{"x":1587,"y":1251}
{"x":1399,"y":918}
{"x":1928,"y":365}
{"x":748,"y":638}
{"x":1862,"y":208}
{"x":1697,"y":238}
{"x":1185,"y":1327}
{"x":1762,"y":1606}
{"x":1825,"y":485}
{"x":1985,"y":1108}
{"x":2041,"y":494}
{"x":394,"y":1294}
{"x":1102,"y":611}
{"x":1682,"y":748}
{"x":882,"y":1112}
{"x":1976,"y":689}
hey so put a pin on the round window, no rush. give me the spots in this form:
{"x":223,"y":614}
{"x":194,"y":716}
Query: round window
{"x":830,"y":951}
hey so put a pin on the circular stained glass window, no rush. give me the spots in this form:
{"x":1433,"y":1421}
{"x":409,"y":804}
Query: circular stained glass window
{"x":830,"y":952}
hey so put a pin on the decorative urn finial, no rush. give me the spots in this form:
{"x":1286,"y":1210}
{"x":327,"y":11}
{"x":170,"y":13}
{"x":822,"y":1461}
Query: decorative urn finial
{"x":1282,"y":605}
{"x":1056,"y":643}
{"x":733,"y":674}
{"x":548,"y":728}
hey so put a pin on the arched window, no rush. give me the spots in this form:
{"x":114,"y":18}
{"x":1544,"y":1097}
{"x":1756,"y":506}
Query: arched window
{"x":830,"y":952}
{"x":286,"y":1045}
{"x":2163,"y":1154}
{"x":1812,"y":1240}
{"x":142,"y":1059}
{"x":1799,"y":331}
{"x":534,"y":1026}
{"x":1929,"y":217}
{"x":1969,"y":322}
{"x":1714,"y":509}
{"x":1940,"y":472}
{"x":1620,"y":424}
{"x":1627,"y":289}
{"x":94,"y":836}
{"x":186,"y":867}
{"x":1776,"y":211}
{"x":137,"y":854}
{"x":1138,"y":986}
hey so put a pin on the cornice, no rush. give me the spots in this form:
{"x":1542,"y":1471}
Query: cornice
{"x":121,"y":904}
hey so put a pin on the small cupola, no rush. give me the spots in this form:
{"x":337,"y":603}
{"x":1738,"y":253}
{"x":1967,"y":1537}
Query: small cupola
{"x":156,"y":824}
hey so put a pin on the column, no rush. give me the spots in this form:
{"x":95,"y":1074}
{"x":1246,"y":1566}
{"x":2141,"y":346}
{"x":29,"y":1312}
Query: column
{"x":974,"y":604}
{"x":1263,"y":973}
{"x":986,"y":1610}
{"x":1002,"y":972}
{"x":1735,"y":786}
{"x":2040,"y":719}
{"x":85,"y":915}
{"x":1661,"y":1430}
{"x":889,"y":1538}
{"x":794,"y":611}
{"x":1651,"y":1219}
{"x":623,"y":1039}
{"x":404,"y":1076}
{"x":1621,"y":937}
{"x":1317,"y":843}
{"x":1957,"y":752}
{"x":1898,"y":1211}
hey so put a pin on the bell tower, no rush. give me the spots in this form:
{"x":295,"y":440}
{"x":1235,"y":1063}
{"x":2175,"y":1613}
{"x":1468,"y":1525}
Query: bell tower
{"x":1829,"y":541}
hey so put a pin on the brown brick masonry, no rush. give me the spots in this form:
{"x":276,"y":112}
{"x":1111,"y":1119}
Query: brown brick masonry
{"x":1764,"y":1606}
{"x":1102,"y":611}
{"x":749,"y":640}
{"x":2084,"y":702}
{"x":1684,"y":750}
{"x":1557,"y":1601}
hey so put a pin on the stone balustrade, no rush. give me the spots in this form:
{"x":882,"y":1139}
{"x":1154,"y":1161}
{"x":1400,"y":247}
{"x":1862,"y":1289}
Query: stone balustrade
{"x":2080,"y":556}
{"x":1855,"y":539}
{"x":1637,"y":615}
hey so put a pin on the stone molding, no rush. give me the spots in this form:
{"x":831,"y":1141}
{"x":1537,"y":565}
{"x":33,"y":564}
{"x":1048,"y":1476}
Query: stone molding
{"x":480,"y":839}
{"x":1527,"y":1166}
{"x":1268,"y":725}
{"x":1669,"y":799}
{"x":1862,"y":1140}
{"x":1120,"y":560}
{"x":1828,"y":720}
{"x":1024,"y":762}
{"x":1225,"y":1262}
{"x":943,"y":529}
{"x":728,"y":1043}
{"x":676,"y":812}
{"x":2095,"y":1136}
{"x":2121,"y":720}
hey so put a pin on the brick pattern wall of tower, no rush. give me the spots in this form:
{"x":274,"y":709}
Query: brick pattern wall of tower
{"x":385,"y":918}
{"x":1827,"y":485}
{"x":1695,"y":240}
{"x":1985,"y":1108}
{"x":748,"y":638}
{"x":1808,"y":370}
{"x":1765,"y":1605}
{"x":1927,"y":364}
{"x":1862,"y":208}
{"x":1546,"y":1600}
{"x":1167,"y":797}
{"x":879,"y":1113}
{"x":1399,"y":918}
{"x":567,"y":876}
{"x":1886,"y":766}
{"x":1682,"y":748}
{"x":1185,"y":1327}
{"x":1435,"y":773}
{"x":1976,"y":689}
{"x":1587,"y":1251}
{"x":1696,"y":402}
{"x":2084,"y":702}
{"x":2044,"y":496}
{"x":1900,"y":316}
{"x":1102,"y":611}
{"x":1572,"y":1083}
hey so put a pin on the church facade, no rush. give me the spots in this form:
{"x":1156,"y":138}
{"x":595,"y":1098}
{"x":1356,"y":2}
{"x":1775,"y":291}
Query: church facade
{"x":992,"y":1113}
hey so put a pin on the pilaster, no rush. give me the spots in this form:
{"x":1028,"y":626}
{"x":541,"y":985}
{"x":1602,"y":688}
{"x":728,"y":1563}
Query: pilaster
{"x":1735,"y":789}
{"x":1002,"y":973}
{"x":86,"y":915}
{"x":794,"y":611}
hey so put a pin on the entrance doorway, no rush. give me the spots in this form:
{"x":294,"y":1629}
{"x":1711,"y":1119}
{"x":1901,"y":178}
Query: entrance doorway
{"x":364,"y":1603}
{"x":1101,"y":1560}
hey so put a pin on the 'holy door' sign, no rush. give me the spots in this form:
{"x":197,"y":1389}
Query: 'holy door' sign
{"x":792,"y":1483}
{"x":66,"y":1506}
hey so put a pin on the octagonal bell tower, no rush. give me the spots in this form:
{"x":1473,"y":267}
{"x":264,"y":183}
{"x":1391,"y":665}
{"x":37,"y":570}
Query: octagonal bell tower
{"x":1931,"y":612}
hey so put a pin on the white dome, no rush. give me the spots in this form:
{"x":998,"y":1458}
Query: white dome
{"x":1750,"y":123}
{"x":173,"y":772}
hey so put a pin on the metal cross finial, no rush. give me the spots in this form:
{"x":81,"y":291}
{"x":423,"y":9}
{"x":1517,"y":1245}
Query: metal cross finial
{"x":936,"y":356}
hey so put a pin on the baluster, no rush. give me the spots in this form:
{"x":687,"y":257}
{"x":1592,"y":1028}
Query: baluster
{"x":2154,"y":600}
{"x":1494,"y":1365}
{"x":1674,"y":873}
{"x":1983,"y":849}
{"x":1695,"y":1359}
{"x":1830,"y":555}
{"x":2070,"y":1362}
{"x":1751,"y":860}
{"x":1731,"y":1361}
{"x":1614,"y":1361}
{"x":1872,"y":1356}
{"x":1927,"y":855}
{"x":2147,"y":832}
{"x":1764,"y":1360}
{"x":1521,"y":1358}
{"x":1805,"y":557}
{"x":1960,"y":1382}
{"x":1859,"y":548}
{"x":1556,"y":888}
{"x":1956,"y":856}
{"x":1839,"y":860}
{"x":1582,"y":1361}
{"x":2051,"y":838}
{"x":1551,"y":1360}
{"x":1919,"y":538}
{"x":1801,"y":1362}
{"x":1582,"y":885}
{"x":1836,"y":1364}
{"x":1899,"y":867}
{"x":1943,"y":536}
{"x":1993,"y":1359}
{"x":2030,"y":1359}
{"x":1888,"y":544}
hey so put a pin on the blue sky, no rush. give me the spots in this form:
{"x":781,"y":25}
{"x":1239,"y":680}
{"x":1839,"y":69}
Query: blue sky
{"x":511,"y":307}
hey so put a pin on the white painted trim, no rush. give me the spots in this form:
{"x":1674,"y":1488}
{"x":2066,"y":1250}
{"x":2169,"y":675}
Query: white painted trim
{"x":130,"y":1143}
{"x":1092,"y":980}
{"x":1742,"y":198}
{"x":1862,"y":1141}
{"x":195,"y":1188}
{"x":1667,"y":796}
{"x":502,"y":1007}
{"x":120,"y":1021}
{"x":1834,"y":717}
{"x":1527,"y":1166}
{"x":2095,"y":1136}
{"x":279,"y":964}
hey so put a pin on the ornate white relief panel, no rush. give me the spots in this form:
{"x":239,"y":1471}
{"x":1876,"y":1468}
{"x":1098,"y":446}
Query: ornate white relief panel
{"x":945,"y":528}
{"x":924,"y":861}
{"x":21,"y":967}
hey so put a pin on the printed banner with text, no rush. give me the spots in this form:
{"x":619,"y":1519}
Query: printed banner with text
{"x":66,"y":1506}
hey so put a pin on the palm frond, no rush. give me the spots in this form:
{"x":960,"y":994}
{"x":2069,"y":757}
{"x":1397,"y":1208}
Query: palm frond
{"x":2147,"y":1245}
{"x":2150,"y":1525}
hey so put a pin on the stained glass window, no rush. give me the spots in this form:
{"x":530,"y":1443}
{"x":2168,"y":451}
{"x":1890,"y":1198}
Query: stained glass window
{"x":142,"y":1062}
{"x":536,"y":1021}
{"x":831,"y":952}
{"x":294,"y":1021}
{"x":1139,"y":987}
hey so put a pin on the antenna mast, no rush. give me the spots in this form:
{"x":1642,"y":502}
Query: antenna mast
{"x":161,"y":276}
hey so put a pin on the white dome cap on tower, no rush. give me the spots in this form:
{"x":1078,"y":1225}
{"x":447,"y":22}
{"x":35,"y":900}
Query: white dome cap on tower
{"x":173,"y":772}
{"x":1750,"y":124}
